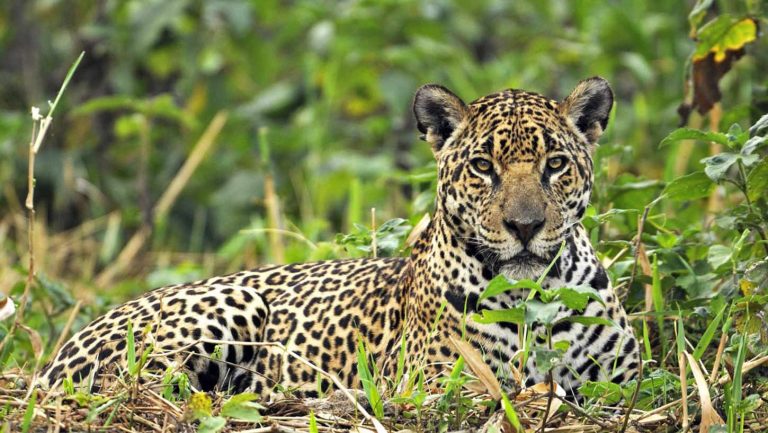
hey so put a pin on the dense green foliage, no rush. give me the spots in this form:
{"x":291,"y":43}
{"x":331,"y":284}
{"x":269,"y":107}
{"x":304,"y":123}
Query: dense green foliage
{"x":318,"y":131}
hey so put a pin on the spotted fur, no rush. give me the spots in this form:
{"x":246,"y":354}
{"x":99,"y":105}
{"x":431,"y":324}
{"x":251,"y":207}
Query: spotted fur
{"x":515,"y":176}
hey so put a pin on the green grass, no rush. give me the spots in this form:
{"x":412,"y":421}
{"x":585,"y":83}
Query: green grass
{"x":317,"y":99}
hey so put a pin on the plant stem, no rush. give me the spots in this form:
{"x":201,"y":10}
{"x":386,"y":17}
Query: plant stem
{"x":744,"y":190}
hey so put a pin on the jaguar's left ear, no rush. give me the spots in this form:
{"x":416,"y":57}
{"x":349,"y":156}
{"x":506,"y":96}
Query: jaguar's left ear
{"x":589,"y":106}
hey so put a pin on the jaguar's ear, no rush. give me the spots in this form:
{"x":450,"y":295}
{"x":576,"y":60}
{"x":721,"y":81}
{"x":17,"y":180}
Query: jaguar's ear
{"x":438,"y":112}
{"x":589,"y":106}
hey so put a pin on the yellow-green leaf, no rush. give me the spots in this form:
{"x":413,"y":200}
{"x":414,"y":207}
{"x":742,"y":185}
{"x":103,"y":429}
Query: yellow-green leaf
{"x":723,"y":34}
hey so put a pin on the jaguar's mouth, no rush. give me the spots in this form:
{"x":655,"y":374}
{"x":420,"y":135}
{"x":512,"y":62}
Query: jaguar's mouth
{"x":524,"y":258}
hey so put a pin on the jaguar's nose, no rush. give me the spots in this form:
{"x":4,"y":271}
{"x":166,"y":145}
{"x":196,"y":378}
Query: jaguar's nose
{"x":525,"y":230}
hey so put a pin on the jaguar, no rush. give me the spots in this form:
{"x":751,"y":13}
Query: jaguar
{"x":515,"y":174}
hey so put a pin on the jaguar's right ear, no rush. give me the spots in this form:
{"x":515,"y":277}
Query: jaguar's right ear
{"x":438,"y":112}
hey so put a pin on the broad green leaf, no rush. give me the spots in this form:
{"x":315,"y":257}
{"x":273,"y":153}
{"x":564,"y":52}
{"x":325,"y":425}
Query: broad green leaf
{"x":749,"y":160}
{"x":722,"y":34}
{"x":736,"y":136}
{"x":562,"y":345}
{"x":718,"y":255}
{"x":243,"y":407}
{"x":668,"y":240}
{"x":759,"y":125}
{"x":511,"y":315}
{"x":752,"y":144}
{"x":576,"y":298}
{"x":501,"y":284}
{"x":539,"y":312}
{"x":717,"y":166}
{"x":546,"y":359}
{"x":757,"y":181}
{"x":689,"y":187}
{"x":694,"y":134}
{"x":608,"y":391}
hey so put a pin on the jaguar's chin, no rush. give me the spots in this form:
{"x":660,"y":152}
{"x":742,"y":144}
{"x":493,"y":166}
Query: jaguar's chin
{"x":523,"y":265}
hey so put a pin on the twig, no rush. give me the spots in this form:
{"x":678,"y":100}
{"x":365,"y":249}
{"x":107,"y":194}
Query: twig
{"x":550,"y":394}
{"x":749,"y":365}
{"x":36,"y":140}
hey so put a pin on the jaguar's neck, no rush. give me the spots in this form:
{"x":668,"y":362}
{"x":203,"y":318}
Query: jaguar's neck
{"x":445,"y":268}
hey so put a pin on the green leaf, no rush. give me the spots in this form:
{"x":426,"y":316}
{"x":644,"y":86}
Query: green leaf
{"x":577,"y":298}
{"x":752,"y":144}
{"x":689,"y":187}
{"x":211,"y":424}
{"x":546,"y":359}
{"x":130,"y":351}
{"x":589,"y":320}
{"x":509,"y":410}
{"x":539,"y":312}
{"x":243,"y":407}
{"x":511,"y":315}
{"x":668,"y":240}
{"x":29,"y":414}
{"x":706,"y":338}
{"x":698,"y":13}
{"x":757,"y":181}
{"x":759,"y":125}
{"x":562,"y":345}
{"x":367,"y":380}
{"x":313,"y":422}
{"x":722,"y":34}
{"x":718,"y":255}
{"x":501,"y":284}
{"x":736,"y":136}
{"x":718,"y":165}
{"x":608,"y":391}
{"x":694,"y":134}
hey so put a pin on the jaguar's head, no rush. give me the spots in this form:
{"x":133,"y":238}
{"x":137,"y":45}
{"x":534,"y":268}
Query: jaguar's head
{"x":514,"y":168}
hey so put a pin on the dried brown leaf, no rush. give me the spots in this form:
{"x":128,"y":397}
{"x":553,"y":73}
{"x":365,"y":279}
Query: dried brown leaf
{"x":474,"y":360}
{"x":709,"y":415}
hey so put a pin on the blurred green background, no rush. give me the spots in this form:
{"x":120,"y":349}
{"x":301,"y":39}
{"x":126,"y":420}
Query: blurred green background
{"x":317,"y":96}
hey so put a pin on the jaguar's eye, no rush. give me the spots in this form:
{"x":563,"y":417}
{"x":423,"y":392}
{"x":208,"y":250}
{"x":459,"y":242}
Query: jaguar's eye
{"x":555,"y":163}
{"x":482,"y":165}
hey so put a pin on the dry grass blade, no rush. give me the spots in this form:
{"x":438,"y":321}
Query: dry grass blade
{"x":684,"y":390}
{"x":748,"y":366}
{"x":474,"y":360}
{"x":417,"y":230}
{"x":718,"y":358}
{"x":170,"y":195}
{"x":709,"y":415}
